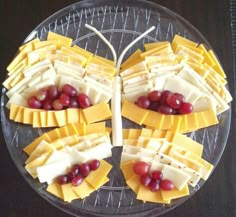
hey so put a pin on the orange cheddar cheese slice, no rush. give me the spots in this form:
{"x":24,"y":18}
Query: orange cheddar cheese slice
{"x":131,"y":59}
{"x":127,"y":169}
{"x":55,"y":189}
{"x":61,"y":117}
{"x":63,"y":131}
{"x":134,"y":182}
{"x":133,"y":133}
{"x":13,"y":111}
{"x":207,"y":58}
{"x":217,"y":65}
{"x":51,"y":120}
{"x":64,"y":40}
{"x":146,"y":132}
{"x":146,"y":195}
{"x":99,"y":127}
{"x":154,"y":119}
{"x":98,"y":112}
{"x":19,"y":117}
{"x":68,"y":193}
{"x":181,"y":40}
{"x":83,"y":190}
{"x":149,"y":46}
{"x":188,"y":144}
{"x":97,"y":177}
{"x":72,"y":115}
{"x":133,"y":112}
{"x":175,"y":193}
{"x":125,"y":133}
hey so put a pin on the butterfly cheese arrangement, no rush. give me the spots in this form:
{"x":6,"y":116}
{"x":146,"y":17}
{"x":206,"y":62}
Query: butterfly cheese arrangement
{"x":166,"y":90}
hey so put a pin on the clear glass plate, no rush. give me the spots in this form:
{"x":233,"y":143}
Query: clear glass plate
{"x":120,"y":22}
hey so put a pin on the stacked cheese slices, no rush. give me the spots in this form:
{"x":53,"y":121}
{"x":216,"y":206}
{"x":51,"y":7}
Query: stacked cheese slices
{"x":181,"y":66}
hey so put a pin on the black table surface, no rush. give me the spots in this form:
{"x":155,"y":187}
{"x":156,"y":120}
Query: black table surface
{"x":217,"y":198}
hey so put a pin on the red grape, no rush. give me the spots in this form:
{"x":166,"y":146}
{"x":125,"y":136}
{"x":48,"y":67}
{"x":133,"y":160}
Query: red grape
{"x":164,"y":96}
{"x":154,"y":106}
{"x":185,"y":108}
{"x":94,"y":164}
{"x":179,"y":96}
{"x":157,"y":175}
{"x":77,"y":180}
{"x":143,"y":102}
{"x":73,"y":102}
{"x":64,"y":99}
{"x":154,"y":185}
{"x":141,"y":168}
{"x":84,"y":169}
{"x":154,"y":95}
{"x":47,"y":104}
{"x":165,"y":109}
{"x":52,"y":92}
{"x":33,"y":102}
{"x":173,"y":101}
{"x":145,"y":179}
{"x":84,"y":100}
{"x":63,"y":179}
{"x":69,"y":90}
{"x":74,"y":170}
{"x":41,"y":94}
{"x":56,"y":104}
{"x":167,"y":185}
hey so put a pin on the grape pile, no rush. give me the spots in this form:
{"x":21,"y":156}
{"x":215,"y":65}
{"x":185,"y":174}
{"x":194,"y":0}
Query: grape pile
{"x":78,"y":173}
{"x":51,"y":98}
{"x":153,"y":180}
{"x":165,"y":102}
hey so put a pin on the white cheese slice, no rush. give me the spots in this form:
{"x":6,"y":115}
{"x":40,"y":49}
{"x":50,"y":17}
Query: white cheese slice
{"x":178,"y":177}
{"x":48,"y":172}
{"x":17,"y":99}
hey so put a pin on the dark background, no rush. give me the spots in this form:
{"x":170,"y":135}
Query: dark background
{"x":211,"y":17}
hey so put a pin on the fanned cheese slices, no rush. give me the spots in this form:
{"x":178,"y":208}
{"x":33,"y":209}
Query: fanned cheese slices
{"x":181,"y":66}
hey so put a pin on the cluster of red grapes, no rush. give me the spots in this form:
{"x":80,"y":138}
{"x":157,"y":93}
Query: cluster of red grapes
{"x":51,"y":98}
{"x":78,"y":173}
{"x":165,"y":102}
{"x":154,"y":180}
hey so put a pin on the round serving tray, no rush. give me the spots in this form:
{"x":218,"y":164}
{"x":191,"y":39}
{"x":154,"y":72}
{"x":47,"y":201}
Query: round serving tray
{"x":120,"y":22}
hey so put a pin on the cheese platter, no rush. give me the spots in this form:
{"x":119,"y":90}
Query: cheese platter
{"x":114,"y":86}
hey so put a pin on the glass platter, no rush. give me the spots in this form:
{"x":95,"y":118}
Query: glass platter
{"x":120,"y":22}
